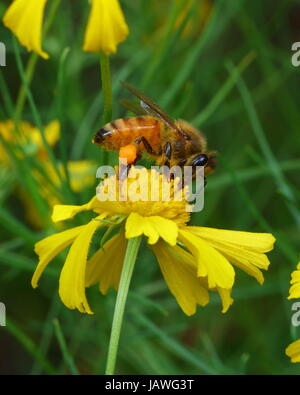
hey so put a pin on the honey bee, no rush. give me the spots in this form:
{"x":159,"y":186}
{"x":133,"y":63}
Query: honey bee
{"x":170,"y":143}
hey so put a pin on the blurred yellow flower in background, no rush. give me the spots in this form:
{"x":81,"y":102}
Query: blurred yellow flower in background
{"x":81,"y":174}
{"x":193,"y":260}
{"x":200,"y":15}
{"x":25,"y":19}
{"x":27,"y":137}
{"x":106,"y":26}
{"x":26,"y":141}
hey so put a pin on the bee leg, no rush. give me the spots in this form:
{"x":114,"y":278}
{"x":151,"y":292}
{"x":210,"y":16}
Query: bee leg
{"x":168,"y":150}
{"x":124,"y":171}
{"x":168,"y":153}
{"x":147,"y":145}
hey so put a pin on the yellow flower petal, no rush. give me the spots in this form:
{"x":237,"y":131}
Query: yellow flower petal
{"x":259,"y":242}
{"x":210,"y":262}
{"x":181,"y":278}
{"x":152,"y":227}
{"x":225,"y":295}
{"x":134,"y":225}
{"x":25,"y":19}
{"x":294,"y":291}
{"x":293,"y":351}
{"x":72,"y":278}
{"x":243,"y":249}
{"x":246,"y":266}
{"x":150,"y":231}
{"x":295,"y":277}
{"x":249,"y":261}
{"x":106,"y":27}
{"x":48,"y":248}
{"x":63,"y":212}
{"x":166,"y":228}
{"x":105,"y":266}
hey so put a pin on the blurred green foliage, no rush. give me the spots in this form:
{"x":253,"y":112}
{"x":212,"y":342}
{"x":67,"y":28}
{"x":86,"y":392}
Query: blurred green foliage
{"x":226,"y":67}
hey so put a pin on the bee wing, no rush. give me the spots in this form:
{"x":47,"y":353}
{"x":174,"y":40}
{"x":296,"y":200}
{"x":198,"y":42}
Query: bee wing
{"x":132,"y":106}
{"x":150,"y":107}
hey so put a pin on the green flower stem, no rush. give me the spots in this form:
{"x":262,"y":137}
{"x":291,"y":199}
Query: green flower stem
{"x":106,"y":87}
{"x":128,"y":266}
{"x":30,"y":68}
{"x":107,"y":95}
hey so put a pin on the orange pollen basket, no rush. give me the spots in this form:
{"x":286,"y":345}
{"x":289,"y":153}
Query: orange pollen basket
{"x":128,"y":152}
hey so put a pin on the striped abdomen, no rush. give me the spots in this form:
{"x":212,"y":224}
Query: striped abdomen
{"x":124,"y":131}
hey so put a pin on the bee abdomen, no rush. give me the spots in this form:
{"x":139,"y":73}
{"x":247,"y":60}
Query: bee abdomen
{"x":111,"y":130}
{"x":125,"y":131}
{"x":100,"y":136}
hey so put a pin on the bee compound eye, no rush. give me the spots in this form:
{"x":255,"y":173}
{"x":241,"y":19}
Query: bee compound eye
{"x":200,"y":160}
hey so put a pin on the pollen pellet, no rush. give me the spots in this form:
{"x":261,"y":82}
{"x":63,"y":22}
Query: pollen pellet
{"x":128,"y":152}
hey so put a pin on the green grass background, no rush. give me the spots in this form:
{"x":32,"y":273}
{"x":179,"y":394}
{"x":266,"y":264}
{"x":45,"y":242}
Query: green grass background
{"x":232,"y":78}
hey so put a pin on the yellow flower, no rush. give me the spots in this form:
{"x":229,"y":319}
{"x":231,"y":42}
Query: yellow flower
{"x":27,"y":136}
{"x":295,"y":281}
{"x":106,"y":27}
{"x":25,"y":19}
{"x":293,"y":351}
{"x":193,"y":260}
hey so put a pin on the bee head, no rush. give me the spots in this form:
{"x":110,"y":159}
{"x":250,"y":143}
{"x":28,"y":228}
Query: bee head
{"x":198,"y":160}
{"x":207,"y":160}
